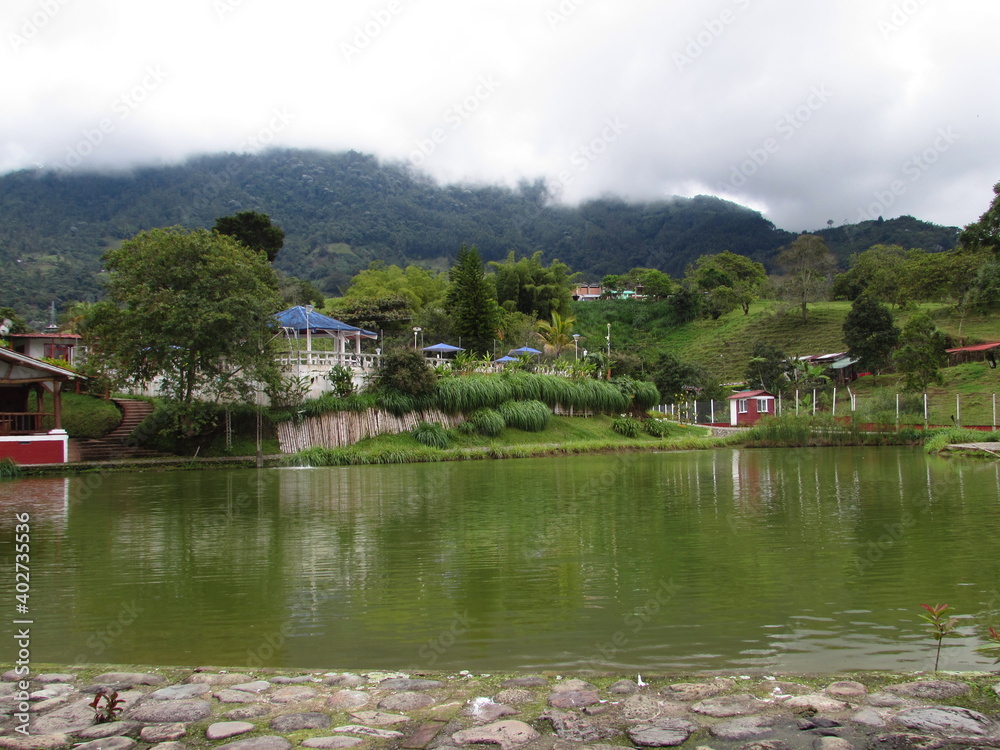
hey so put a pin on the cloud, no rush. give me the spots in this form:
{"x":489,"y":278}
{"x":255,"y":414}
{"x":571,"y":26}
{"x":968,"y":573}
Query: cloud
{"x":809,"y":112}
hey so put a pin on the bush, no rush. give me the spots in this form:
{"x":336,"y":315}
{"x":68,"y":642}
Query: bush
{"x":488,"y":422}
{"x":406,"y":371}
{"x":657,"y":427}
{"x":431,"y":435}
{"x":530,"y":416}
{"x":626,"y":426}
{"x":9,"y":468}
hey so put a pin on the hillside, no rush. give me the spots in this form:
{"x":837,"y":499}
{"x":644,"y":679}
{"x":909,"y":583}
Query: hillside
{"x":340,"y":211}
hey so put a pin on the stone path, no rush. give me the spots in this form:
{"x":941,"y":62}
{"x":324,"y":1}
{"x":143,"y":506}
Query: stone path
{"x":176,"y":709}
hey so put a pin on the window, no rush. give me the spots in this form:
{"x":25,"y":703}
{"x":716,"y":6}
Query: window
{"x":762,"y":405}
{"x":741,"y":405}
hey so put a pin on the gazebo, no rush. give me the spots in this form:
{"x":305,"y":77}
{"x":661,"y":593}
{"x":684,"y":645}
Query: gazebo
{"x":22,"y":435}
{"x":304,"y":322}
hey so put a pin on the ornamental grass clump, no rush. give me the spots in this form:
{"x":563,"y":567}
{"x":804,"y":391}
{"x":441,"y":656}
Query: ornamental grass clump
{"x":530,"y":416}
{"x":432,"y":435}
{"x":626,"y":426}
{"x":656,"y":427}
{"x":488,"y":422}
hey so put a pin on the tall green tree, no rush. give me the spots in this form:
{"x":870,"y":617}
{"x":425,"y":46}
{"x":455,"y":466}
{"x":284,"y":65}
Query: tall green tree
{"x":870,"y":334}
{"x":253,"y":229}
{"x":530,"y":287}
{"x":808,"y":265}
{"x":193,"y":307}
{"x":984,"y":235}
{"x":731,"y":280}
{"x":472,"y":302}
{"x":921,"y":354}
{"x":767,"y":368}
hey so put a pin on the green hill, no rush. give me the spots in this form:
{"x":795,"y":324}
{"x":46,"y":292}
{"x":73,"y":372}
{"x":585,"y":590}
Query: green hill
{"x":340,"y":211}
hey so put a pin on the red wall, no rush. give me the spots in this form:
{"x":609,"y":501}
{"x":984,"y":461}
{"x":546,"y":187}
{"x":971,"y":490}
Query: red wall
{"x":25,"y":450}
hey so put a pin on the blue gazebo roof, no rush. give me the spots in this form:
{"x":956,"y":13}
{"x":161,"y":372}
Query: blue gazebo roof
{"x":300,"y":318}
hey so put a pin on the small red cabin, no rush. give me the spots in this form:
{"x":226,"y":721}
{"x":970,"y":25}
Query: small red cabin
{"x":747,"y":407}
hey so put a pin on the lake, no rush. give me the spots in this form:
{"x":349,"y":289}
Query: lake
{"x":790,"y":559}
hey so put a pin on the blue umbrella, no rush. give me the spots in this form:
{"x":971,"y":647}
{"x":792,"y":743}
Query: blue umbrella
{"x":443,"y":348}
{"x":506,"y":358}
{"x":523,"y":350}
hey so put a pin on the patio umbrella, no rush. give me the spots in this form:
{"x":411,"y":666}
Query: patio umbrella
{"x":523,"y":350}
{"x":506,"y":358}
{"x":443,"y":348}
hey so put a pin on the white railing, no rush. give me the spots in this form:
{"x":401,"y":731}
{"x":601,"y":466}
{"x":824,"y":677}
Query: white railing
{"x":314,"y":358}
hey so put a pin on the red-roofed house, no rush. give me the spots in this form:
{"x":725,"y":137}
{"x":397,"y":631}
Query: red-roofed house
{"x":747,"y":407}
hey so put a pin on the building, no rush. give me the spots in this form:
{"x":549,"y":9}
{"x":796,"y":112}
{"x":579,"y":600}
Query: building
{"x":23,"y":434}
{"x":64,"y":346}
{"x":748,"y":407}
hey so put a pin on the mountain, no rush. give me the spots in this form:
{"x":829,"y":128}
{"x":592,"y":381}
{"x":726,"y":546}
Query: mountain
{"x":340,"y":211}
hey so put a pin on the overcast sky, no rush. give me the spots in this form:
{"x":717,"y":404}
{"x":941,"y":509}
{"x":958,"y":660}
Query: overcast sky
{"x":806,"y":111}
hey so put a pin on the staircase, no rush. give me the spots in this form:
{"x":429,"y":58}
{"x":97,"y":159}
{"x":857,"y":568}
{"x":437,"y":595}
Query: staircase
{"x":114,"y":445}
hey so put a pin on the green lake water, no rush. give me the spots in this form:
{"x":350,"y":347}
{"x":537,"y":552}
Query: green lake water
{"x":792,"y":560}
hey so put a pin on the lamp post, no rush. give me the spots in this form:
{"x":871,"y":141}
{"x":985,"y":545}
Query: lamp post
{"x":576,"y":346}
{"x":416,"y":330}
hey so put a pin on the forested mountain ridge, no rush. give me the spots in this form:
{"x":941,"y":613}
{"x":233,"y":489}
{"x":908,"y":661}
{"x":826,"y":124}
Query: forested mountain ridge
{"x":340,"y":211}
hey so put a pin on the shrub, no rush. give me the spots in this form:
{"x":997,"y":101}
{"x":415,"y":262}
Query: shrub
{"x":9,"y":468}
{"x":342,"y":380}
{"x":626,"y":426}
{"x":488,"y":422}
{"x":432,"y":435}
{"x":406,"y":371}
{"x":656,"y":427}
{"x":530,"y":416}
{"x":83,"y":416}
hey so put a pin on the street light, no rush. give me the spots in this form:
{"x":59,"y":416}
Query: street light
{"x":609,"y":342}
{"x":416,"y":330}
{"x":576,"y":346}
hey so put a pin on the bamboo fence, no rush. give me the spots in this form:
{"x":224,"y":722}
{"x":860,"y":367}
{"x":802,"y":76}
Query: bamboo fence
{"x":341,"y":428}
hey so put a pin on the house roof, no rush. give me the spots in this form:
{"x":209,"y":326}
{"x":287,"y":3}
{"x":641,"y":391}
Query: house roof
{"x":976,"y":348}
{"x":750,"y":394}
{"x":43,"y":336}
{"x":301,"y":318}
{"x":23,"y":367}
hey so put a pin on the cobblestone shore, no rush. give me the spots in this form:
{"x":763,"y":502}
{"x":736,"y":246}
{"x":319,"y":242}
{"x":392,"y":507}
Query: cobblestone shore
{"x":175,"y":709}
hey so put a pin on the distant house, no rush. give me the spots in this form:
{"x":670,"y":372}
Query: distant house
{"x":978,"y":353}
{"x":64,"y":346}
{"x":747,"y":407}
{"x":588,"y":292}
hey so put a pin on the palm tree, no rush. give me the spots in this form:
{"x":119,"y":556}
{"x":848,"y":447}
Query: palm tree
{"x":558,"y":334}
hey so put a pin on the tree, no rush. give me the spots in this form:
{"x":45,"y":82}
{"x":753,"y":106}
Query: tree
{"x":472,"y":302}
{"x":984,"y":235}
{"x":17,"y":323}
{"x":880,"y":271}
{"x":921,"y":354}
{"x":406,"y":371}
{"x":676,"y":379}
{"x":767,"y":368}
{"x":193,"y":307}
{"x":731,"y":280}
{"x":558,"y":334}
{"x":529,"y":287}
{"x":254,"y":230}
{"x":418,"y":286}
{"x":870,"y":334}
{"x":807,"y":264}
{"x":984,"y":297}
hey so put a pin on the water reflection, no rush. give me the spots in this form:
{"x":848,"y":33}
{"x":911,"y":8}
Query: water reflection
{"x":797,"y":559}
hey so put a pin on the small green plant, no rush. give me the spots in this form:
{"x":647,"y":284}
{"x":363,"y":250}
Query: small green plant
{"x":656,"y":427}
{"x":106,"y":705}
{"x":626,"y":426}
{"x":9,"y":468}
{"x":940,"y":626}
{"x":432,"y":435}
{"x":993,"y":647}
{"x":341,"y":380}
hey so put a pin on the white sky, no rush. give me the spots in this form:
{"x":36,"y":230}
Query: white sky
{"x":806,"y":111}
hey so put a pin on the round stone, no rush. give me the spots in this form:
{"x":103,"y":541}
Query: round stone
{"x":258,"y":743}
{"x":223,"y":730}
{"x":332,"y":743}
{"x":724,"y":706}
{"x":256,"y":686}
{"x":165,"y":712}
{"x":295,"y":722}
{"x":406,"y":701}
{"x":574,"y":698}
{"x":348,"y":699}
{"x":948,"y":721}
{"x":180,"y":692}
{"x":404,"y":683}
{"x":508,"y":734}
{"x":846,"y":690}
{"x":662,"y":733}
{"x":742,"y":728}
{"x":934,"y":690}
{"x":163,"y":732}
{"x":514,"y":696}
